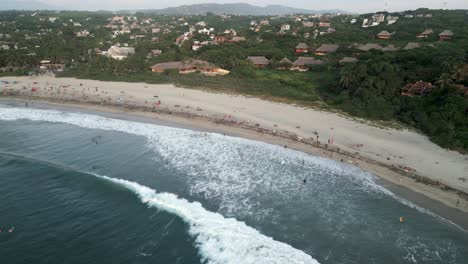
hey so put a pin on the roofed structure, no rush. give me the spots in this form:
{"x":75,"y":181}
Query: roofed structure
{"x":390,"y":47}
{"x":446,"y":35}
{"x":326,"y":48}
{"x":417,"y":89}
{"x":302,"y":63}
{"x":411,"y":46}
{"x":384,"y":35}
{"x":302,"y":48}
{"x":425,"y":33}
{"x":370,"y":46}
{"x":348,"y":60}
{"x":258,"y":61}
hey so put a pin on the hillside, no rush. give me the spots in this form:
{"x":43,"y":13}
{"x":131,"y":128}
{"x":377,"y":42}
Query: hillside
{"x":235,"y":9}
{"x":25,"y":5}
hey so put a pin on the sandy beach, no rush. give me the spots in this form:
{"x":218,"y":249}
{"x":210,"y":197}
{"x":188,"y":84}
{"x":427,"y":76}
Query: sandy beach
{"x":401,"y":157}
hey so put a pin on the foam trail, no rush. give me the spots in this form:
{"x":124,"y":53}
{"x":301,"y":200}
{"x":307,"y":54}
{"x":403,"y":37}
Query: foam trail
{"x":219,"y":239}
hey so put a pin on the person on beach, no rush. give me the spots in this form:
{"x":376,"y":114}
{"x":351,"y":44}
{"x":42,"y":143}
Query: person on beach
{"x":458,"y":203}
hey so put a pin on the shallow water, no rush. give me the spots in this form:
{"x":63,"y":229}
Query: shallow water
{"x":81,"y":188}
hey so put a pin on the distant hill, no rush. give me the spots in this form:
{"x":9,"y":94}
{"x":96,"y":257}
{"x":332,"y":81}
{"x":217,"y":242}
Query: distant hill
{"x":25,"y":5}
{"x":236,"y":9}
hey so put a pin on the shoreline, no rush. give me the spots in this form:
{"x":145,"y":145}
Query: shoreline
{"x":421,"y":193}
{"x":392,"y":155}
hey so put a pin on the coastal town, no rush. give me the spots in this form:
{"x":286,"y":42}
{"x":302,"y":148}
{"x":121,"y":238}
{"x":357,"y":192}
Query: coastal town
{"x":188,"y":132}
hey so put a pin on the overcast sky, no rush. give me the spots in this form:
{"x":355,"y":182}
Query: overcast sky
{"x":348,"y":5}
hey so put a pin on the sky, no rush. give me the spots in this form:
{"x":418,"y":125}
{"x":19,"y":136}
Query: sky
{"x":347,"y":5}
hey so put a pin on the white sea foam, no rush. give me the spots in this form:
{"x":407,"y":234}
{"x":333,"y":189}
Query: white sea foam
{"x":219,"y":239}
{"x":237,"y":172}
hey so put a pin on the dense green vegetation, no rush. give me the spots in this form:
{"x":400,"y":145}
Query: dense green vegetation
{"x":243,"y":79}
{"x":370,"y":88}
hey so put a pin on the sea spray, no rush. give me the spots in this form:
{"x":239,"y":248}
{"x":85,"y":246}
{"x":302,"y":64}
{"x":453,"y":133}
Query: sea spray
{"x":219,"y":239}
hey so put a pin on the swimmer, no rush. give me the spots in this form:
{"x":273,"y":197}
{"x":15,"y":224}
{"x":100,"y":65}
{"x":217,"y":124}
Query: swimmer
{"x":304,"y":181}
{"x":11,"y":229}
{"x":402,"y":219}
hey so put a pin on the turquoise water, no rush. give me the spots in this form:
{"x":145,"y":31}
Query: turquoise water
{"x":81,"y":188}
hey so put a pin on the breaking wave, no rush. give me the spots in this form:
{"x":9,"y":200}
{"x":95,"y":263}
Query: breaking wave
{"x":219,"y":239}
{"x":233,"y":171}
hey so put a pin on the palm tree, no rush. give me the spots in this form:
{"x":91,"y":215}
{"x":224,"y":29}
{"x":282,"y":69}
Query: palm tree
{"x":445,"y":80}
{"x":459,"y":72}
{"x":346,"y":77}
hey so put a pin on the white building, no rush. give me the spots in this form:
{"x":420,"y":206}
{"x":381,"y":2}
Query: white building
{"x":285,"y":27}
{"x":83,"y":33}
{"x":119,"y":53}
{"x":206,"y":31}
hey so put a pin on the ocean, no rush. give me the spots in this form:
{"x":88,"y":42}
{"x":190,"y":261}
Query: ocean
{"x":86,"y":188}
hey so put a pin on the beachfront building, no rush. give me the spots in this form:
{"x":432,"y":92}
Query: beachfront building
{"x":384,"y":35}
{"x":302,"y":48}
{"x":119,"y":53}
{"x":259,"y":61}
{"x":426,"y":33}
{"x":304,"y":63}
{"x":417,"y":89}
{"x":326,"y":49}
{"x":446,"y":35}
{"x":190,"y":66}
{"x":164,"y":66}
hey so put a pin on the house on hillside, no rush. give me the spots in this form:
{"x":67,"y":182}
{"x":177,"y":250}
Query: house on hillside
{"x":369,"y":46}
{"x":446,"y":35}
{"x":390,"y":48}
{"x":411,"y":46}
{"x":348,"y":60}
{"x":302,"y":48}
{"x":303,"y":63}
{"x":284,"y":64}
{"x":259,"y":61}
{"x":220,"y":39}
{"x":324,"y":24}
{"x":325,"y":49}
{"x":285,"y":27}
{"x":379,"y":18}
{"x":237,"y":39}
{"x":384,"y":35}
{"x":196,"y":45}
{"x":308,"y":24}
{"x":426,"y":33}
